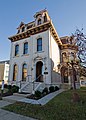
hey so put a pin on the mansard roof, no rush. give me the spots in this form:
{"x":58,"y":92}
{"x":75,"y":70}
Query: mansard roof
{"x":34,"y":28}
{"x":21,"y":24}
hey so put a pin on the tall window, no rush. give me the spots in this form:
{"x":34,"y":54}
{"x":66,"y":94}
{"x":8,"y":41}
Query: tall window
{"x":39,"y":44}
{"x":15,"y":71}
{"x":25,"y":48}
{"x":24,"y":71}
{"x":16,"y":50}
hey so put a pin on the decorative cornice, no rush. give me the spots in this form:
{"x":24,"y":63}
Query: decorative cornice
{"x":37,"y":29}
{"x":69,"y":46}
{"x":31,"y":31}
{"x":54,"y":33}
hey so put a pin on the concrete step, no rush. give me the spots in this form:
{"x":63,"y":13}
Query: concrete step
{"x":23,"y":94}
{"x":12,"y":98}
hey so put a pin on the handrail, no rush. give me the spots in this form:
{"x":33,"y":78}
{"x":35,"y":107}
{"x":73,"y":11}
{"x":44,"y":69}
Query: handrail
{"x":29,"y":83}
{"x":12,"y":82}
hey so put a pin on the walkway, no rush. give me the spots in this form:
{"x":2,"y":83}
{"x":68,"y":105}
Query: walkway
{"x":6,"y":115}
{"x":43,"y":100}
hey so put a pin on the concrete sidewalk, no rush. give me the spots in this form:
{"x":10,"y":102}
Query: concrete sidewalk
{"x":6,"y":115}
{"x":42,"y":101}
{"x":4,"y":103}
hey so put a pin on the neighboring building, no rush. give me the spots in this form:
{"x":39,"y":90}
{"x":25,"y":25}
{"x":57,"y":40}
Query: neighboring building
{"x":4,"y":71}
{"x":69,"y":63}
{"x":36,"y":54}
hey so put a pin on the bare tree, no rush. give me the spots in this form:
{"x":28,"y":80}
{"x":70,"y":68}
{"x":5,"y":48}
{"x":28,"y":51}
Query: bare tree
{"x":80,"y":41}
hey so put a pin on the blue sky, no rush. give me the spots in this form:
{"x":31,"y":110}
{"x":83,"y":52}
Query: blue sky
{"x":67,"y":15}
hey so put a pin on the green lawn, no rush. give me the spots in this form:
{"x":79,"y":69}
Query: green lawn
{"x":59,"y":108}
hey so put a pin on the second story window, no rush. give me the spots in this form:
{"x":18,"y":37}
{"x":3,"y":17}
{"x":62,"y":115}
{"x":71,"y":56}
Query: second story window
{"x":25,"y":48}
{"x":39,"y":44}
{"x":16,"y":50}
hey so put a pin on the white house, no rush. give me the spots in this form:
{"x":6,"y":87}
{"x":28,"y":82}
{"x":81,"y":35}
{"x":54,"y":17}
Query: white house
{"x":35,"y":54}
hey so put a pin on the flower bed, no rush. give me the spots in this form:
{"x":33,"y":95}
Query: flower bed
{"x":45,"y":92}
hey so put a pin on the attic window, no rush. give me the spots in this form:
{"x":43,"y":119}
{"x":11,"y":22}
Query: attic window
{"x":18,"y":31}
{"x":45,"y":18}
{"x":23,"y":28}
{"x":39,"y":21}
{"x":30,"y":26}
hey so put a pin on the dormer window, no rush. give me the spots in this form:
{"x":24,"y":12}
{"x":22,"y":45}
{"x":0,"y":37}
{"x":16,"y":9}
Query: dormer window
{"x":39,"y":21}
{"x":45,"y":18}
{"x":30,"y":26}
{"x":18,"y":31}
{"x":23,"y":28}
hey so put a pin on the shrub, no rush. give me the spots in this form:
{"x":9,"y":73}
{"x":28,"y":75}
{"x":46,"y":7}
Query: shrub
{"x":56,"y":88}
{"x":45,"y":90}
{"x":15,"y":88}
{"x":51,"y":89}
{"x":5,"y":86}
{"x":38,"y":94}
{"x":9,"y":87}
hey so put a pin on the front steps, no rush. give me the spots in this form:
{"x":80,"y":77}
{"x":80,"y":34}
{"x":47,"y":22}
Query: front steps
{"x":31,"y":87}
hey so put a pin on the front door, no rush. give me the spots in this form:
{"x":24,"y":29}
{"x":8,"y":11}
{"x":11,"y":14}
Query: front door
{"x":39,"y":76}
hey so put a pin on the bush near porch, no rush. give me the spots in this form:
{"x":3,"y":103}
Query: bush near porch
{"x":8,"y":90}
{"x":59,"y":108}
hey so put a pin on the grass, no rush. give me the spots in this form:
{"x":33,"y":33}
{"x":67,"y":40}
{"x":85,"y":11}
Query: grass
{"x":59,"y":108}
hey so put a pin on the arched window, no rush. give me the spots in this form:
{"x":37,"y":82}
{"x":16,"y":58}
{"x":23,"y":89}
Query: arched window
{"x":39,"y":44}
{"x":23,"y":28}
{"x":25,"y":48}
{"x":24,"y":71}
{"x":18,"y":31}
{"x":64,"y":57}
{"x":39,"y":21}
{"x":15,"y":72}
{"x":72,"y":54}
{"x":45,"y":18}
{"x":16,"y":50}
